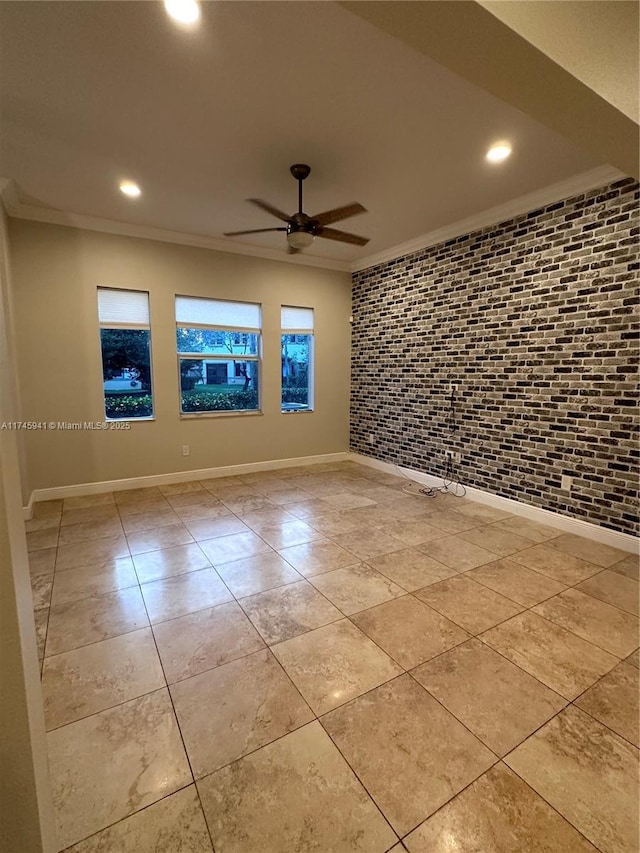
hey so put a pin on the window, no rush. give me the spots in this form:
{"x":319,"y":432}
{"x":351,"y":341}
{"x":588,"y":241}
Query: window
{"x":218,"y":347}
{"x":125,"y":338}
{"x":297,"y":359}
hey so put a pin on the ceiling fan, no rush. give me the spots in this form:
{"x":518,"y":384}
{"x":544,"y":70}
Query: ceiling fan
{"x":302,"y":229}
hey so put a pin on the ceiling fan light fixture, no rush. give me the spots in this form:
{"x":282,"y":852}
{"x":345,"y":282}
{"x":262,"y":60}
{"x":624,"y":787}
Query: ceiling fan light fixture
{"x":299,"y":239}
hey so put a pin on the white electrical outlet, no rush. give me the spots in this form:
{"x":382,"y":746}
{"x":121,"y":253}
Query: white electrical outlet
{"x":456,"y":458}
{"x":566,"y":483}
{"x":371,"y":438}
{"x":185,"y":450}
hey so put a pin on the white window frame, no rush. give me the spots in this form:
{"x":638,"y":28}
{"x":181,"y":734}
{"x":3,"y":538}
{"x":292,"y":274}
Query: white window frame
{"x":307,"y":330}
{"x":220,"y":357}
{"x":138,"y":325}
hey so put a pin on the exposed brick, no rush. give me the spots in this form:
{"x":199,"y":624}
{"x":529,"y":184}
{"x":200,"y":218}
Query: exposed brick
{"x":535,"y":322}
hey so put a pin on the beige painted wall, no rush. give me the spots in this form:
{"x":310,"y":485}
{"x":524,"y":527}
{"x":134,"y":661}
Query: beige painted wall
{"x":56,"y":271}
{"x":26,"y":823}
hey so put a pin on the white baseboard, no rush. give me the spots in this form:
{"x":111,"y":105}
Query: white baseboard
{"x":27,"y":511}
{"x":624,"y":541}
{"x":58,"y":492}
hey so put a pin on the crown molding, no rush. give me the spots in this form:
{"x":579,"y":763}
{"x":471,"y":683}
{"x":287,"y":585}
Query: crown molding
{"x":598,"y":177}
{"x":17,"y":209}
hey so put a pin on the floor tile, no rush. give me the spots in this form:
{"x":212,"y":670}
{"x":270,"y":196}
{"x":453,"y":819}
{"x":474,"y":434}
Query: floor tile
{"x":181,"y":594}
{"x":415,"y":532}
{"x":451,"y":521}
{"x":410,"y":754}
{"x":237,"y":546}
{"x":232,"y":710}
{"x":289,"y":533}
{"x":265,"y":518}
{"x":588,"y":774}
{"x":457,"y":554}
{"x":469,"y":604}
{"x":140,"y":507}
{"x":195,"y":500}
{"x":204,"y":508}
{"x":41,"y":539}
{"x":257,"y":574}
{"x":516,"y":582}
{"x":307,"y":509}
{"x":246,"y":504}
{"x":186,"y":488}
{"x":408,"y":630}
{"x":347,"y":500}
{"x":498,"y":813}
{"x":500,"y":542}
{"x":42,"y":562}
{"x":41,"y":586}
{"x":203,"y":640}
{"x":368,"y":543}
{"x":333,"y":664}
{"x":93,"y":553}
{"x":529,"y":529}
{"x":588,"y":549}
{"x":43,"y":509}
{"x":155,"y":565}
{"x":284,"y":496}
{"x":481,"y":512}
{"x":295,"y":794}
{"x":158,"y":538}
{"x":630,"y":567}
{"x":89,"y":513}
{"x":142,"y":494}
{"x":411,"y":569}
{"x":555,"y":564}
{"x":175,"y":824}
{"x":87,"y":531}
{"x":313,"y":558}
{"x":41,"y":619}
{"x":87,"y":581}
{"x":213,"y":528}
{"x":356,"y":587}
{"x":141,"y":760}
{"x":614,"y":701}
{"x":496,"y":700}
{"x":149,"y":520}
{"x":615,"y":589}
{"x":336,"y":523}
{"x":283,"y":613}
{"x":556,"y":657}
{"x":634,"y":659}
{"x":82,"y":501}
{"x":601,"y":624}
{"x":84,"y":681}
{"x":90,"y":620}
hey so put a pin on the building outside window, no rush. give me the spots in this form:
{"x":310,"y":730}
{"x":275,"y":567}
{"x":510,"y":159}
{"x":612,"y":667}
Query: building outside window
{"x":297,"y":359}
{"x":125,"y":340}
{"x":219,"y":352}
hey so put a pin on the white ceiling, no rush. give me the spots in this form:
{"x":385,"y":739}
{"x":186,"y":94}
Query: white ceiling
{"x":93,"y":92}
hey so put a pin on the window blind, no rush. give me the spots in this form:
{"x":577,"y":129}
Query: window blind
{"x":123,"y":307}
{"x":191,"y":311}
{"x":300,"y":319}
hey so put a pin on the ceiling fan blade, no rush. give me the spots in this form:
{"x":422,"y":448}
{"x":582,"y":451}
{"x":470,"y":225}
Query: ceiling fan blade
{"x":270,"y":209}
{"x":253,"y":231}
{"x":342,"y":236}
{"x":339,"y":213}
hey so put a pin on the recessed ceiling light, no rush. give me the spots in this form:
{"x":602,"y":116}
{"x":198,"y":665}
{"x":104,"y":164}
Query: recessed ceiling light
{"x":498,"y":153}
{"x":130,"y":189}
{"x":183,"y":11}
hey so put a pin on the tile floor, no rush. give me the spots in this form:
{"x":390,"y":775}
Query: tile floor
{"x":313,"y":660}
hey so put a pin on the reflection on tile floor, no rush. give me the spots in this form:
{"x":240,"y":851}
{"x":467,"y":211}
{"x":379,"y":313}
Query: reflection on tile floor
{"x":311,"y":659}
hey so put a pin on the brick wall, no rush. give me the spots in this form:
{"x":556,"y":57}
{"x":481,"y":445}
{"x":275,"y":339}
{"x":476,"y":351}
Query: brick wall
{"x":534,"y":321}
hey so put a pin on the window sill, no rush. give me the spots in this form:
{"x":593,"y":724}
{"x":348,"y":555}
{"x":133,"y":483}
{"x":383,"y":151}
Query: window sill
{"x":296,"y":411}
{"x":128,"y":420}
{"x":190,"y":416}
